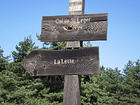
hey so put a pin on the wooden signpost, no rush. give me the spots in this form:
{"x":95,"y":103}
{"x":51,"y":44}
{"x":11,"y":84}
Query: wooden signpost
{"x":81,"y":61}
{"x":74,"y":61}
{"x":72,"y":83}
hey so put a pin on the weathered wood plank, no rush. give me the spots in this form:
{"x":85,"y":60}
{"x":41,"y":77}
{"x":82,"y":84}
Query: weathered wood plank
{"x":73,"y":44}
{"x":76,"y":7}
{"x":72,"y":84}
{"x":78,"y":61}
{"x":74,"y":28}
{"x":72,"y":90}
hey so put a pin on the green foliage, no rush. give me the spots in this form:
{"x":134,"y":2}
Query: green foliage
{"x":54,"y":45}
{"x":92,"y":93}
{"x":3,"y":61}
{"x":17,"y":87}
{"x":131,"y":86}
{"x":110,"y":87}
{"x":23,"y":49}
{"x":88,"y":44}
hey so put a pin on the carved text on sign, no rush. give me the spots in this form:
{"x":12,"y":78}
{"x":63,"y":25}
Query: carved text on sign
{"x":72,"y":20}
{"x":74,"y":28}
{"x":44,"y":62}
{"x":64,"y":61}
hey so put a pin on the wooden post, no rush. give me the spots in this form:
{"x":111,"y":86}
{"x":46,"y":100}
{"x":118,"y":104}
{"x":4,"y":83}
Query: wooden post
{"x":72,"y":82}
{"x":71,"y":90}
{"x":71,"y":63}
{"x":76,"y":7}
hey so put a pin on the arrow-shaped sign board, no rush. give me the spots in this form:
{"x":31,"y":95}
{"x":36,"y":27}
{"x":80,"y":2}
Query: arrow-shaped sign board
{"x":74,"y":28}
{"x":68,"y":62}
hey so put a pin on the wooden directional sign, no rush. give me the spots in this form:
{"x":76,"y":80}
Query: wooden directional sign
{"x":74,"y":28}
{"x":53,"y":62}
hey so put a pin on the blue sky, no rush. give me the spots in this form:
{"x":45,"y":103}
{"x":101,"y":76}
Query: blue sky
{"x":21,"y":18}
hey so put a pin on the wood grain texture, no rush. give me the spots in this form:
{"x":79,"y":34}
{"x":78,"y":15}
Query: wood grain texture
{"x":72,"y":90}
{"x":72,"y":84}
{"x":76,"y":7}
{"x":74,"y":28}
{"x":78,"y":61}
{"x":73,"y":44}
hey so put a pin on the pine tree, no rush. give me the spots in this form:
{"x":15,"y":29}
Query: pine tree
{"x":16,"y":86}
{"x":3,"y":61}
{"x":132,"y":83}
{"x":23,"y":49}
{"x":110,"y":87}
{"x":32,"y":90}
